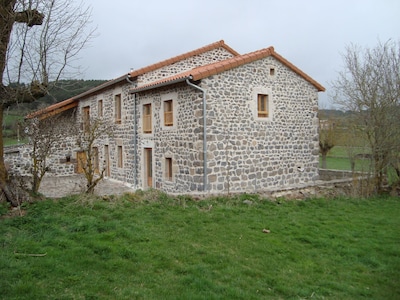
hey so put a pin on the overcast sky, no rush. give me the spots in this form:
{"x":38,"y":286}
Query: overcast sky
{"x":311,"y":34}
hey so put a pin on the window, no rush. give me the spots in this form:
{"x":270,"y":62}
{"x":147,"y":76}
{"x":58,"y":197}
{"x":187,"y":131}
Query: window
{"x":262,"y":105}
{"x":119,"y":157}
{"x":100,"y":108}
{"x":168,"y":113}
{"x":86,"y":118}
{"x":96,"y":160}
{"x":168,"y":168}
{"x":117,"y":109}
{"x":147,"y":127}
{"x":272,"y":71}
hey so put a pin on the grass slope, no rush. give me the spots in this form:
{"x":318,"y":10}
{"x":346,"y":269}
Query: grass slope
{"x":338,"y":159}
{"x":155,"y":247}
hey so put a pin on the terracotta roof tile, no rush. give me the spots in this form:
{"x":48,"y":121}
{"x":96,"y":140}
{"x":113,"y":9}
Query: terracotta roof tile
{"x":298,"y":71}
{"x":221,"y":66}
{"x":66,"y":103}
{"x":195,"y":74}
{"x":54,"y":109}
{"x":175,"y":59}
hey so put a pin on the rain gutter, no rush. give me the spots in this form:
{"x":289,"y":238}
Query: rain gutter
{"x":204,"y":131}
{"x":135,"y":146}
{"x":187,"y":80}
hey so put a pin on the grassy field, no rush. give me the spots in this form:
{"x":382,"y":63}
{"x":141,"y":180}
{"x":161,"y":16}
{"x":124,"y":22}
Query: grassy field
{"x":150,"y":246}
{"x":10,"y":130}
{"x":338,"y":159}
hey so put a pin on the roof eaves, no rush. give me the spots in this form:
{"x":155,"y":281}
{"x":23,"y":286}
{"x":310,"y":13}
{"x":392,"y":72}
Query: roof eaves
{"x":319,"y":87}
{"x":229,"y":49}
{"x":180,"y":57}
{"x":102,"y":86}
{"x":161,"y":83}
{"x":228,"y":64}
{"x":53,"y":109}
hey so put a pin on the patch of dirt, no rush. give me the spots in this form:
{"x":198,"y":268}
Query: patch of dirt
{"x":14,"y":212}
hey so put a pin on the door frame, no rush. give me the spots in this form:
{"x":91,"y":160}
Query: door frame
{"x":148,"y":172}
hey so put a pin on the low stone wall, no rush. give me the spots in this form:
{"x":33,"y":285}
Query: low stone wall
{"x":18,"y":158}
{"x":330,"y":174}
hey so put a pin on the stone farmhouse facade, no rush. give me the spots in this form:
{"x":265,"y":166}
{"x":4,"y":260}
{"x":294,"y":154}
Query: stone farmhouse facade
{"x":207,"y":121}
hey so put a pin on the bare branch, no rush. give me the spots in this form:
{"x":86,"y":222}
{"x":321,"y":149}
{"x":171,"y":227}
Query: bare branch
{"x":369,"y":86}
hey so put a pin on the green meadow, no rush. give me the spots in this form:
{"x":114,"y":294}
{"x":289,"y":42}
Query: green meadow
{"x":148,"y":245}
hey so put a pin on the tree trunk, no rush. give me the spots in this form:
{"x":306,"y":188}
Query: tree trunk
{"x":352,"y":164}
{"x":3,"y":170}
{"x":323,"y":157}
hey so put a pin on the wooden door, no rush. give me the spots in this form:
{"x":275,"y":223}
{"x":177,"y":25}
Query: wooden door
{"x":96,"y":160}
{"x":81,"y":161}
{"x":148,"y":167}
{"x":107,"y":161}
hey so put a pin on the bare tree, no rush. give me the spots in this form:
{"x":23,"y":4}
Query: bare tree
{"x":42,"y":136}
{"x":326,"y":138}
{"x":93,"y":130}
{"x":369,"y":86}
{"x":39,"y":39}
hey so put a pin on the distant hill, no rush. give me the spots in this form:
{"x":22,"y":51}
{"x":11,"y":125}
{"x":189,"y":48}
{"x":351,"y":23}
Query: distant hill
{"x":65,"y":89}
{"x":324,"y":114}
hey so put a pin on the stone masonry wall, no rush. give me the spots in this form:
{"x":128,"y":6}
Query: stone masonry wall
{"x":244,"y":153}
{"x":62,"y":162}
{"x":247,"y":153}
{"x":123,"y":131}
{"x":179,"y":142}
{"x":186,"y":64}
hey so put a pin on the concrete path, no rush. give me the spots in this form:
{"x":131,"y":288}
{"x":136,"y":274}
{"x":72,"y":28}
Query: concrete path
{"x":61,"y":186}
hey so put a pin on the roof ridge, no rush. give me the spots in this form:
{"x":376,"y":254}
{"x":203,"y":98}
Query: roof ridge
{"x":201,"y":72}
{"x":230,"y":63}
{"x":180,"y":57}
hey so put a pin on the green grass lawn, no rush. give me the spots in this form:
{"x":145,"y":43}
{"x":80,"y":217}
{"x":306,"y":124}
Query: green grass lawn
{"x":338,"y":159}
{"x":150,"y":246}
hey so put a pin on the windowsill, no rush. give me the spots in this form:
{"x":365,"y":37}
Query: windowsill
{"x":263,"y":119}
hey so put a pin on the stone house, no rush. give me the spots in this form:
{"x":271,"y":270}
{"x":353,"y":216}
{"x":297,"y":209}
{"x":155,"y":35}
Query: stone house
{"x":207,"y":121}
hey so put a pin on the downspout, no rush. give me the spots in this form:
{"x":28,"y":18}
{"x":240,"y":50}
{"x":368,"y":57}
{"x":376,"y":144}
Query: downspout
{"x":135,"y":137}
{"x":204,"y":132}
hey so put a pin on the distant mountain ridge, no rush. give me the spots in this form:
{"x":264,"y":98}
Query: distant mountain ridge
{"x":64,"y":89}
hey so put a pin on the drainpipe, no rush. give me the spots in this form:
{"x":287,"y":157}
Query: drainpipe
{"x":135,"y":137}
{"x":204,"y":132}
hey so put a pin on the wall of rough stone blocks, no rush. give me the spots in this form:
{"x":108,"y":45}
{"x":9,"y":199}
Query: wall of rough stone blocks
{"x":202,"y":59}
{"x":244,"y":153}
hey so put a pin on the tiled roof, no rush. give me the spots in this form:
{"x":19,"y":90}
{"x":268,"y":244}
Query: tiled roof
{"x":54,"y":109}
{"x":194,"y":74}
{"x":288,"y":64}
{"x":228,"y":64}
{"x":58,"y":107}
{"x":175,"y":59}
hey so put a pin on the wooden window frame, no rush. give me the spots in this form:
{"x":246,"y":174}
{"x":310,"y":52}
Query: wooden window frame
{"x":86,"y":118}
{"x":262,"y":105}
{"x":168,"y":113}
{"x":118,"y":108}
{"x":120,"y":160}
{"x":272,"y":71}
{"x":168,"y":169}
{"x":100,"y":108}
{"x":96,"y":161}
{"x":147,"y":118}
